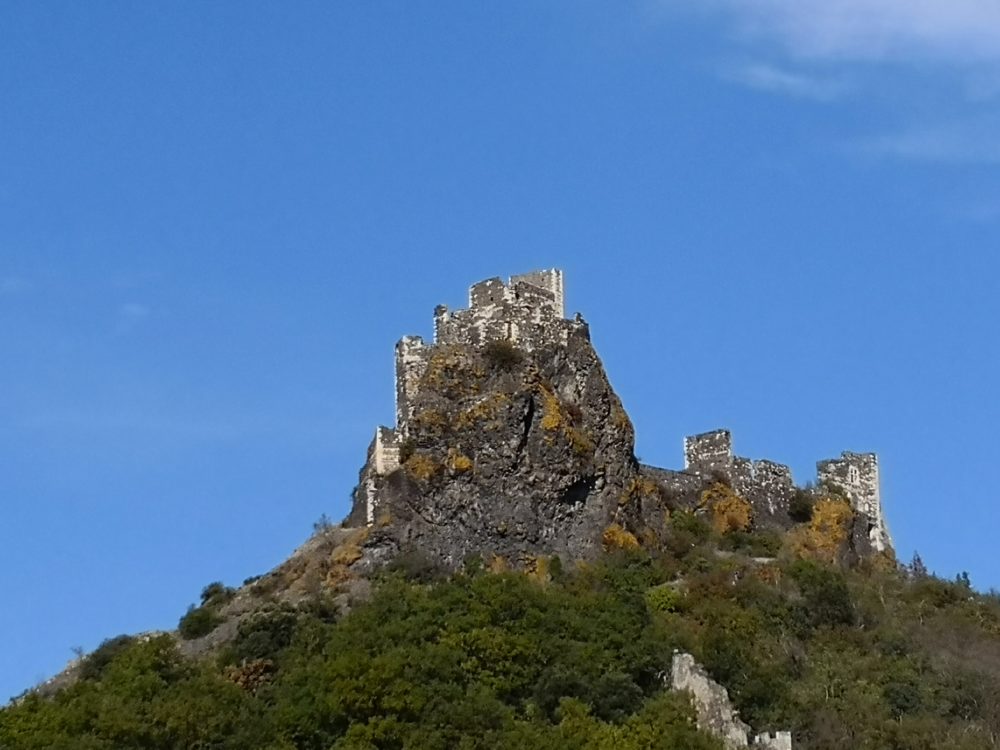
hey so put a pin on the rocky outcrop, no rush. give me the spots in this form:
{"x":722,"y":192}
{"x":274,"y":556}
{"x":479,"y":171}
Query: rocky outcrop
{"x":511,"y":453}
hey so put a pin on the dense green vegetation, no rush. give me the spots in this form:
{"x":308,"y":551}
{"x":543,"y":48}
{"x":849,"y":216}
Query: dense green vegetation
{"x":572,"y":658}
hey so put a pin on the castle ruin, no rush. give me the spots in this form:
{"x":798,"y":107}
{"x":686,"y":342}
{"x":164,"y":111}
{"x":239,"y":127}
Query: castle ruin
{"x":529,"y":311}
{"x":769,"y":486}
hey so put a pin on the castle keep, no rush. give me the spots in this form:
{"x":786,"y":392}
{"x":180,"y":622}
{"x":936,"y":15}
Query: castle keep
{"x":527,"y":311}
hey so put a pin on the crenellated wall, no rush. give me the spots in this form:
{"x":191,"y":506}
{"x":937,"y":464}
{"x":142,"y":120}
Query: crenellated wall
{"x":412,"y":357}
{"x":529,"y":310}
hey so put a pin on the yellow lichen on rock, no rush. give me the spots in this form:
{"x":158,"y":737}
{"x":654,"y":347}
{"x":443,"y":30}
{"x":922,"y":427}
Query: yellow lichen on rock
{"x":552,"y":411}
{"x":484,"y":410}
{"x":497,"y":564}
{"x":538,"y":568}
{"x":617,"y":538}
{"x":619,"y":417}
{"x":638,"y":488}
{"x":458,"y":462}
{"x":349,"y":551}
{"x":579,"y":441}
{"x":422,"y":466}
{"x":451,"y":373}
{"x":431,"y":420}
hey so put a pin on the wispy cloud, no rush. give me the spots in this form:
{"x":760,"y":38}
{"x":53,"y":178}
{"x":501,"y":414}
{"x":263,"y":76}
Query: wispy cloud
{"x":975,"y":141}
{"x":960,"y":31}
{"x":775,"y":80}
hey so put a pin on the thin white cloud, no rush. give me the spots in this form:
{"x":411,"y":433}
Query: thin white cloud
{"x":970,"y":142}
{"x":960,"y":31}
{"x":775,"y":80}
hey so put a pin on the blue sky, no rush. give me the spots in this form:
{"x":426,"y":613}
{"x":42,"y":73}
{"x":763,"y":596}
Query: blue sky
{"x":779,"y":216}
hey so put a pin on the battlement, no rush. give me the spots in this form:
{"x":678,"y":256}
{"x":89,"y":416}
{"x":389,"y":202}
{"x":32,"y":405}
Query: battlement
{"x":529,"y":310}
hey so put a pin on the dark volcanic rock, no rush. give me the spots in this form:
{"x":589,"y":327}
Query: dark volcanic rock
{"x":510,"y":453}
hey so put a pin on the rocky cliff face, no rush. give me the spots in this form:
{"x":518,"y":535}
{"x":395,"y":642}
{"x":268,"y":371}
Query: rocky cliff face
{"x":511,"y":453}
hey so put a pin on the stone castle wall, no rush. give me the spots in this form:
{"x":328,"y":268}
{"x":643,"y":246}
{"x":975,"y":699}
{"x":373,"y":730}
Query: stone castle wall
{"x":712,"y":706}
{"x":769,"y":486}
{"x":766,"y":484}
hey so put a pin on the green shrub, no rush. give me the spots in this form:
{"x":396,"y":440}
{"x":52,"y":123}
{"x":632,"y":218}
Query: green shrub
{"x":198,"y":621}
{"x":417,"y":566}
{"x":216,"y":594}
{"x":800,"y":508}
{"x":664,"y":598}
{"x":94,"y":664}
{"x":826,"y":599}
{"x":753,"y":543}
{"x":262,"y":635}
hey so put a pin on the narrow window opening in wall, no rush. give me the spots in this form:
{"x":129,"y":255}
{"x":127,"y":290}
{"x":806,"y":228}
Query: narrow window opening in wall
{"x":853,"y":475}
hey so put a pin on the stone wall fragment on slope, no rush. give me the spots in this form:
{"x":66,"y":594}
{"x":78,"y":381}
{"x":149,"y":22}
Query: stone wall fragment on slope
{"x":715,"y":711}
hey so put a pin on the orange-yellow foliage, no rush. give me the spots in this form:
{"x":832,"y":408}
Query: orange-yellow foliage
{"x":825,"y":535}
{"x":615,"y":537}
{"x":728,"y":511}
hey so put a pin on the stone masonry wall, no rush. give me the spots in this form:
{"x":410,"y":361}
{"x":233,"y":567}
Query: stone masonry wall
{"x":709,"y":452}
{"x":715,"y":711}
{"x":773,"y":741}
{"x":767,"y":485}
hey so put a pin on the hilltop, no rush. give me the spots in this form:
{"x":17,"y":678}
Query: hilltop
{"x":510,"y":575}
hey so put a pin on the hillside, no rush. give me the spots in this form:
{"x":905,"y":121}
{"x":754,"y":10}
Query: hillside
{"x":510,"y":576}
